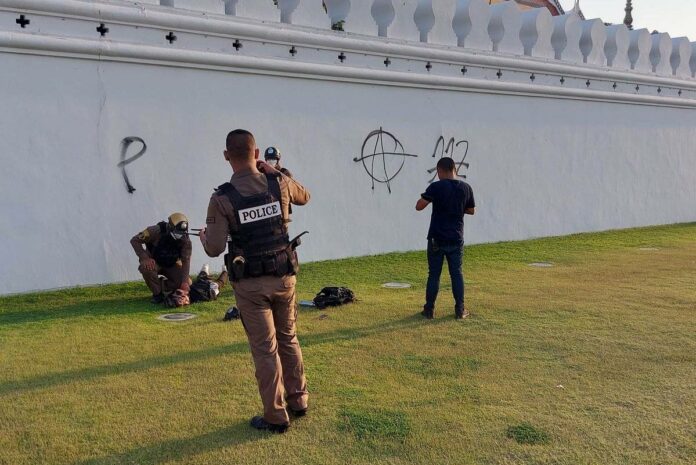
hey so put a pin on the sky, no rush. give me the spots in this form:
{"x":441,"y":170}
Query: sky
{"x":677,"y":17}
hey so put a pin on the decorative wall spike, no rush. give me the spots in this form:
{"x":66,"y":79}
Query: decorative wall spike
{"x":639,"y":50}
{"x":442,"y":32}
{"x":293,"y":51}
{"x":592,"y":40}
{"x":287,"y":8}
{"x":681,"y":54}
{"x":504,"y":28}
{"x":616,"y":47}
{"x":470,"y":24}
{"x":536,"y":32}
{"x":171,"y":37}
{"x":237,"y":44}
{"x":404,"y":27}
{"x":660,"y":54}
{"x":565,"y":38}
{"x":309,"y":13}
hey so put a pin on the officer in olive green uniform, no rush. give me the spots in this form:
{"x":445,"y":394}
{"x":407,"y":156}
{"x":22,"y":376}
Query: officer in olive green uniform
{"x":165,"y":249}
{"x":253,"y":209}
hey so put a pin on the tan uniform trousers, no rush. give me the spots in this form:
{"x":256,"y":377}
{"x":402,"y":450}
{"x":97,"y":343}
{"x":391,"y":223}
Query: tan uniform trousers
{"x":175,"y":276}
{"x":267,"y":308}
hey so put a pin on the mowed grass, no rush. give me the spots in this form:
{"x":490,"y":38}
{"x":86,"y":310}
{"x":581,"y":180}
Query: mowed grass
{"x":592,"y":361}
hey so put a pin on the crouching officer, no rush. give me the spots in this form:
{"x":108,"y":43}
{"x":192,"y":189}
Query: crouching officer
{"x":253,"y":209}
{"x":166,"y":251}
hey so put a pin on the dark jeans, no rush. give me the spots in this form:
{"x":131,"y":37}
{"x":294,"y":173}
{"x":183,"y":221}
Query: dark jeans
{"x":436,"y":255}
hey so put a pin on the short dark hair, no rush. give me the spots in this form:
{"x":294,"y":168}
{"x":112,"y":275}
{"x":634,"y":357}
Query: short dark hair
{"x":446,"y":164}
{"x":240,"y":144}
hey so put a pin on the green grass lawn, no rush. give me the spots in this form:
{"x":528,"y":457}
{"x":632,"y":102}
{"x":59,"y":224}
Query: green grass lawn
{"x":592,"y":361}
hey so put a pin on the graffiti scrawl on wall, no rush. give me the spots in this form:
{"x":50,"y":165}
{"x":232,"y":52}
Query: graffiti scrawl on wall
{"x":125,"y":144}
{"x":449,"y":151}
{"x":383,"y":156}
{"x":386,"y":170}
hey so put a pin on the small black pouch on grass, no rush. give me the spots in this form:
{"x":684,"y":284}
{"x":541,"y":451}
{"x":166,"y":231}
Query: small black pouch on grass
{"x":333,"y":297}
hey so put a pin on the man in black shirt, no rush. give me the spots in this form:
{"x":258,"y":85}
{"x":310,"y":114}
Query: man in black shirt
{"x":451,"y":199}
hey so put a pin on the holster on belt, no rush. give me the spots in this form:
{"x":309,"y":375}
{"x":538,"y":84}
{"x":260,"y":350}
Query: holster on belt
{"x":284,"y":262}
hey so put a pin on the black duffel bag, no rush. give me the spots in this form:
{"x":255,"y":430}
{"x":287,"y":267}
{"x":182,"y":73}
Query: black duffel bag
{"x":333,"y":296}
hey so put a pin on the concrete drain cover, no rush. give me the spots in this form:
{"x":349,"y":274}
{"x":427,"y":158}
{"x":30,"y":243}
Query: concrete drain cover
{"x":648,"y":249}
{"x":541,"y":264}
{"x":396,"y":285}
{"x":176,"y":316}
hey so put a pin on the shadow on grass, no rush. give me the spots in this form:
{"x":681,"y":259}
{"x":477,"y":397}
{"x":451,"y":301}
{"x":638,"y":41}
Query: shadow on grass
{"x":110,"y":307}
{"x":180,"y":449}
{"x":82,"y":374}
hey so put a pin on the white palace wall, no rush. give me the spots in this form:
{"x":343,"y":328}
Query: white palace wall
{"x":559,"y":142}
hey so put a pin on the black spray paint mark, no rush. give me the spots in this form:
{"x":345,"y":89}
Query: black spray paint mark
{"x":125,"y":143}
{"x":449,"y":151}
{"x":396,"y":149}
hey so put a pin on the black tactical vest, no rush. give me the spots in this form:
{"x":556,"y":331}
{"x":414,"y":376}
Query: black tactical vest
{"x":260,"y":228}
{"x":168,"y":250}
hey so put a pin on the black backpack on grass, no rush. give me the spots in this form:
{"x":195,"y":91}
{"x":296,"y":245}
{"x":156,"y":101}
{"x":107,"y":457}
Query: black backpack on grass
{"x":333,"y":296}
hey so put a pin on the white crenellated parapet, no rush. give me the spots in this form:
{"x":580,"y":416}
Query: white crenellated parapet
{"x":470,"y":24}
{"x":208,"y":6}
{"x":565,"y":39}
{"x":592,"y":40}
{"x":681,"y":54}
{"x":639,"y":50}
{"x":537,"y":28}
{"x":359,"y":19}
{"x":310,"y":13}
{"x":424,"y":17}
{"x":616,"y":47}
{"x":504,"y":28}
{"x":404,"y":26}
{"x":287,"y":8}
{"x":660,"y":54}
{"x":383,"y":14}
{"x":262,"y":11}
{"x":443,"y":32}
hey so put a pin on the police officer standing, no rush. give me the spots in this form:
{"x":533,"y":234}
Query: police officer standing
{"x":165,"y":248}
{"x":253,"y":209}
{"x":272,"y":157}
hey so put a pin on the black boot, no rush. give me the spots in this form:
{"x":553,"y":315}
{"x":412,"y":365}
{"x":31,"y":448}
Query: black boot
{"x":427,"y":313}
{"x":259,"y":423}
{"x":297,"y":413}
{"x":157,"y":299}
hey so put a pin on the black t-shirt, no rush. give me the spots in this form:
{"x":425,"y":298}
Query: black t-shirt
{"x":450,"y":198}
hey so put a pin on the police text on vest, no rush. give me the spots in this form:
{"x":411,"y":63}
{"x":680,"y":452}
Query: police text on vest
{"x":262,"y":212}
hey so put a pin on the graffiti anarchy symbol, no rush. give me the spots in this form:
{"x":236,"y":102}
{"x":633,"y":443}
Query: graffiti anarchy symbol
{"x":383,"y":157}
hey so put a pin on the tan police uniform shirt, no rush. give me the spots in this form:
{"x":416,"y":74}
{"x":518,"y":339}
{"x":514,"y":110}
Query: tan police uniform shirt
{"x":221,"y":213}
{"x":151,"y":236}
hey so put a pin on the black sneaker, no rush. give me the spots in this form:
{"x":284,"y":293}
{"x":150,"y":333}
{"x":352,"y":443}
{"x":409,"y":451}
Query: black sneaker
{"x":427,"y":314}
{"x":297,"y":413}
{"x":259,"y":423}
{"x":460,"y":314}
{"x":157,"y":299}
